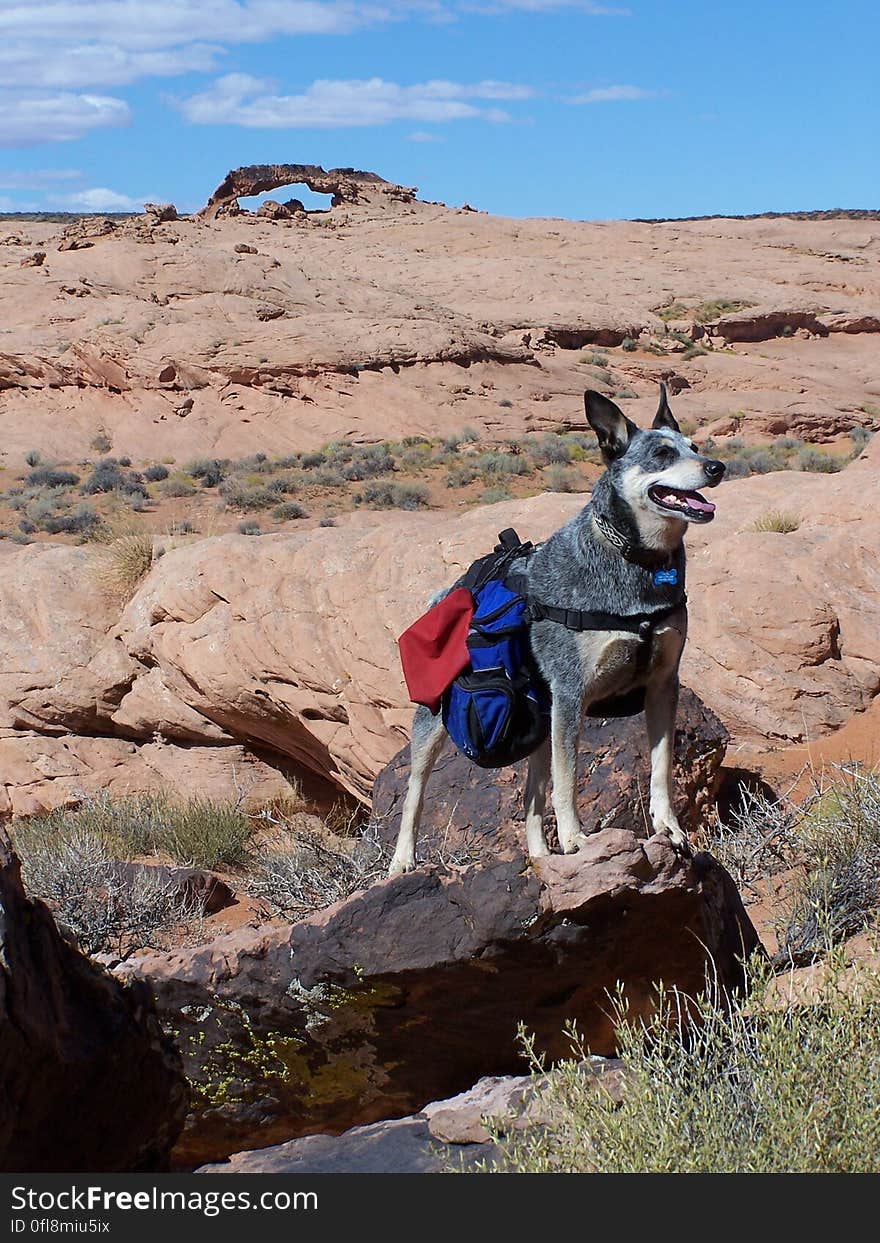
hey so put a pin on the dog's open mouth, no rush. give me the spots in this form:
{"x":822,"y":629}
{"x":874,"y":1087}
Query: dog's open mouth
{"x":688,"y":505}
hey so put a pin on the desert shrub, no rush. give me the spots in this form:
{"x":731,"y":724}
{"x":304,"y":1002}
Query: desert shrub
{"x":177,"y":485}
{"x":705,"y":312}
{"x":737,"y":468}
{"x":249,"y":528}
{"x":308,"y":461}
{"x":813,"y":460}
{"x":461,"y":476}
{"x":396,"y":495}
{"x":505,"y":403}
{"x":719,"y":1085}
{"x":761,"y":461}
{"x":789,"y":444}
{"x":672,"y":310}
{"x":314,"y":873}
{"x":101,"y":442}
{"x":83,"y":520}
{"x":595,"y":359}
{"x":33,"y":457}
{"x":239,"y":495}
{"x":327,"y":522}
{"x":493,"y":495}
{"x":16,"y":537}
{"x":27,"y":527}
{"x":372,"y":460}
{"x":328,"y":477}
{"x":52,"y":477}
{"x":777,"y":520}
{"x":624,"y":394}
{"x":469,"y":435}
{"x":837,"y":892}
{"x":211,"y":471}
{"x":860,"y":436}
{"x":181,"y":527}
{"x":628,"y":345}
{"x":561,"y":479}
{"x":105,"y":477}
{"x":693,"y":351}
{"x":288,"y":511}
{"x":196,"y":832}
{"x":124,"y":559}
{"x":831,"y":844}
{"x":42,"y":510}
{"x":499,"y":464}
{"x":547,"y":450}
{"x":156,"y":472}
{"x":106,"y":910}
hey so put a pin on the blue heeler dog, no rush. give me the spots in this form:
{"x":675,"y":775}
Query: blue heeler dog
{"x":621,"y":558}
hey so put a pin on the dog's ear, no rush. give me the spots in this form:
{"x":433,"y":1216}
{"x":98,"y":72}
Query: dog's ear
{"x":613,"y":429}
{"x":664,"y":416}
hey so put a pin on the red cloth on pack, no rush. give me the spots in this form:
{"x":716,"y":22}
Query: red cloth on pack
{"x":433,"y":651}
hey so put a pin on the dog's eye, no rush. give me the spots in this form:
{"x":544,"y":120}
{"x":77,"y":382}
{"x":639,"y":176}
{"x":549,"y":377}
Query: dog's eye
{"x":666,"y":453}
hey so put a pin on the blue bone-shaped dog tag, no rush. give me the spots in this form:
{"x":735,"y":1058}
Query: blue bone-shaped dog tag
{"x":665,"y":576}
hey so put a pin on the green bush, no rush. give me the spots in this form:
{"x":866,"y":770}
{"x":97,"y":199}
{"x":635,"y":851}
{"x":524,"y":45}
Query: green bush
{"x":813,"y":460}
{"x":288,"y":511}
{"x":719,"y":1085}
{"x":396,"y":495}
{"x":239,"y":495}
{"x":561,"y":479}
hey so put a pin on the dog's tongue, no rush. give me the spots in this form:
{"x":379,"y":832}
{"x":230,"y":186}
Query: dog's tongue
{"x":693,"y":501}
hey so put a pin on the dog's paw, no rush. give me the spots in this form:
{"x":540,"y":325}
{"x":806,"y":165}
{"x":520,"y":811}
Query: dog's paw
{"x":678,"y":840}
{"x":572,"y":845}
{"x":398,"y":866}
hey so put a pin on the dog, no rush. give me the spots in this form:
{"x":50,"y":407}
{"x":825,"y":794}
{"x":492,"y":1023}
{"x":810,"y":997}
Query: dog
{"x":622,"y":555}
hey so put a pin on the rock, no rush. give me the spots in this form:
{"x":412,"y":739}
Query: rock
{"x":89,"y":1083}
{"x":346,"y":185}
{"x":399,"y":1146}
{"x":34,"y":260}
{"x":274,"y":211}
{"x":266,"y":312}
{"x":472,"y":812}
{"x":242,"y":248}
{"x":194,"y":887}
{"x":82,"y":233}
{"x":445,"y":1136}
{"x":321,"y":1025}
{"x":161,"y":212}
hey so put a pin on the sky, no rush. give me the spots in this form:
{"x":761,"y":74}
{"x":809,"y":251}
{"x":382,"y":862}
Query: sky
{"x":565,"y":108}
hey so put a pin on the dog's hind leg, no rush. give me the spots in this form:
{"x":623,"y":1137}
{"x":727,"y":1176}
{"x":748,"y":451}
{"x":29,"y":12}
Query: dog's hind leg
{"x":565,"y":728}
{"x":536,"y":796}
{"x":428,"y":734}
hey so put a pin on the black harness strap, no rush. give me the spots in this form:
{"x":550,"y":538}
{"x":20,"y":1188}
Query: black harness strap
{"x":641,"y":624}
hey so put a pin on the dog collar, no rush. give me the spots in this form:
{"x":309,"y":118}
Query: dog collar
{"x":645,"y":557}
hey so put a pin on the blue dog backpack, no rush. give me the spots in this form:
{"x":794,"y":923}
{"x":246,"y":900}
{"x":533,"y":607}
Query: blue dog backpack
{"x":497,"y":711}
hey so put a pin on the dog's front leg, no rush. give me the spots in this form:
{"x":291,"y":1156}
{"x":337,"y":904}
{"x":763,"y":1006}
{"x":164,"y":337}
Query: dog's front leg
{"x":565,"y":728}
{"x":536,"y":795}
{"x":661,"y":704}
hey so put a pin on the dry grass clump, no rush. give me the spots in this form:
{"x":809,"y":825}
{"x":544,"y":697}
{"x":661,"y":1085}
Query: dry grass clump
{"x":196,"y":832}
{"x":777,"y":520}
{"x":723,"y":1085}
{"x":123,"y":559}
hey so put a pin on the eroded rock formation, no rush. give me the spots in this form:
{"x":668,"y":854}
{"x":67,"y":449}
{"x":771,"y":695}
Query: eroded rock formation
{"x":88,"y":1082}
{"x":346,"y":185}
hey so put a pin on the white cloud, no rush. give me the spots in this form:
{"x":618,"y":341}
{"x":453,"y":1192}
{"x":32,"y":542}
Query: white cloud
{"x":610,"y":94}
{"x":238,"y":99}
{"x":34,"y":118}
{"x":100,"y":198}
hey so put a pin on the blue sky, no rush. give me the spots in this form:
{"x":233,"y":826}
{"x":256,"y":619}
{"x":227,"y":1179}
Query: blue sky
{"x":522,"y":107}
